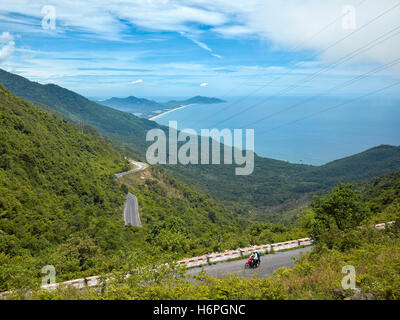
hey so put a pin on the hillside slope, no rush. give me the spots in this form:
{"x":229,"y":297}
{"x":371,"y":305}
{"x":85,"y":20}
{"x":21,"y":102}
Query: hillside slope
{"x":60,"y":203}
{"x":271,"y":183}
{"x":194,"y":100}
{"x":133,"y":105}
{"x":147,"y":108}
{"x":57,"y":192}
{"x":127,"y":129}
{"x":47,"y":169}
{"x":180,"y":219}
{"x":316,"y":275}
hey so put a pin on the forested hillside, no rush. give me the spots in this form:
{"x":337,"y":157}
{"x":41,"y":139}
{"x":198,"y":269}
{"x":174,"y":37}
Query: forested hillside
{"x":125,"y":128}
{"x":133,"y":104}
{"x":57,"y":191}
{"x":180,"y":220}
{"x":146,"y":108}
{"x":60,"y":203}
{"x":271,"y":183}
{"x":342,"y":224}
{"x":274,"y":181}
{"x":383,"y":196}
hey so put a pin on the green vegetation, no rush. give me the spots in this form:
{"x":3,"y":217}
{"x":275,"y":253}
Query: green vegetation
{"x":274,"y":181}
{"x":134,"y":105}
{"x":58,"y":194}
{"x":61,"y":205}
{"x":383,"y":197}
{"x":181,"y":220}
{"x":184,"y":222}
{"x":315,"y":276}
{"x":271,"y":183}
{"x":337,"y":216}
{"x":375,"y":254}
{"x":194,"y":100}
{"x":125,"y":128}
{"x":147,"y":108}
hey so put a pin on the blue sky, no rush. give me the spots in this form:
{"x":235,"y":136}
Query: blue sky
{"x":157,"y":48}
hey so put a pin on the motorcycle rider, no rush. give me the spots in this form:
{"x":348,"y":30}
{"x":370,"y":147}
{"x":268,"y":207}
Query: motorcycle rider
{"x":258,"y":257}
{"x":254,"y":258}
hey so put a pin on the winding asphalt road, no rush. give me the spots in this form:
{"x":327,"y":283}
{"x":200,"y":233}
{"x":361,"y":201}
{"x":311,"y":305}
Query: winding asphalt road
{"x":131,"y":211}
{"x":269,"y":263}
{"x":140,"y":166}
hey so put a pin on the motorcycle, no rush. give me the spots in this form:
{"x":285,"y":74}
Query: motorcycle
{"x":252,"y":264}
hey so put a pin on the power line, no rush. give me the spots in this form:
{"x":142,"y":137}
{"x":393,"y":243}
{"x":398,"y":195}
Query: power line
{"x":340,"y":86}
{"x":331,"y":108}
{"x":289,"y":71}
{"x":336,"y":106}
{"x":343,"y":59}
{"x":324,"y":69}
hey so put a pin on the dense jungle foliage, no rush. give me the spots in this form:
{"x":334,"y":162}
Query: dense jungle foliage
{"x":271,"y":183}
{"x":61,"y":205}
{"x":375,"y":255}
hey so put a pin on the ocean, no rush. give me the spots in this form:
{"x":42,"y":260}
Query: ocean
{"x":297,"y":131}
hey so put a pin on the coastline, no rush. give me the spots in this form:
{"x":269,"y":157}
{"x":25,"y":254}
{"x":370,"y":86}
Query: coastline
{"x":164,"y":113}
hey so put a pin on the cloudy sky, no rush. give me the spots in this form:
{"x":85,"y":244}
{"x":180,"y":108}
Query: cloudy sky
{"x":155,"y":48}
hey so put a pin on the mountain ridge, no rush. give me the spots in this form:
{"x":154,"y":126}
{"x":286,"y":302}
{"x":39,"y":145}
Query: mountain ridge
{"x":272,"y":182}
{"x":197,"y":99}
{"x":60,"y":203}
{"x":146,"y":108}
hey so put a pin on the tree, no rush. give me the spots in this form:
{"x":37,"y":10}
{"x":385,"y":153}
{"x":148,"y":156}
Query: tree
{"x":340,"y":210}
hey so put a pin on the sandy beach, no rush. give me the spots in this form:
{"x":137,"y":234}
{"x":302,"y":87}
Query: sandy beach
{"x":161,"y":114}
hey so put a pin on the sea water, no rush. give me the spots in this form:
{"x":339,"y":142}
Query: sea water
{"x":300,"y":131}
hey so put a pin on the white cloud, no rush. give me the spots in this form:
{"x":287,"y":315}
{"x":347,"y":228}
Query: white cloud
{"x":201,"y":45}
{"x":181,"y":76}
{"x":8,"y":48}
{"x":136,"y":82}
{"x":292,"y":24}
{"x":284,"y":24}
{"x":204,"y":84}
{"x":104,"y":17}
{"x":6,"y":37}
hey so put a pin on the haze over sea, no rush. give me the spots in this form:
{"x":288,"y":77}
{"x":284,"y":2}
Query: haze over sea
{"x":317,"y":139}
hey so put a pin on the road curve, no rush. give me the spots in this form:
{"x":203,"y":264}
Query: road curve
{"x":140,"y":166}
{"x":131,"y":211}
{"x":269,"y":263}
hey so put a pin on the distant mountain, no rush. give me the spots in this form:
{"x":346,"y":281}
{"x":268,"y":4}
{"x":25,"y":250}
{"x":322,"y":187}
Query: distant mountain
{"x":60,"y":203}
{"x":272,"y":181}
{"x":56,"y":186}
{"x":146,"y":108}
{"x":125,"y":128}
{"x":132,"y":104}
{"x":195,"y":100}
